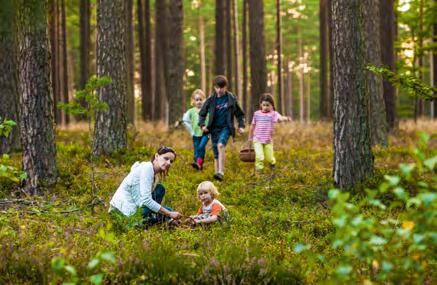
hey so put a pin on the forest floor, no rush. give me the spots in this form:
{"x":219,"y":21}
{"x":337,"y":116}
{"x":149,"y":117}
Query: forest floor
{"x":55,"y":237}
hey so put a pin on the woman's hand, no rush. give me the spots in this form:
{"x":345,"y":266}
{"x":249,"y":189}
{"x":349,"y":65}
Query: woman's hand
{"x":175,"y":215}
{"x":204,"y":129}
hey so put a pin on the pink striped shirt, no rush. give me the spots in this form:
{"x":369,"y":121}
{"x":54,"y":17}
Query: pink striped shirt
{"x":264,"y":123}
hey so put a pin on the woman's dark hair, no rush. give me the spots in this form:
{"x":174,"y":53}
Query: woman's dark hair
{"x":162,"y":150}
{"x":220,"y":81}
{"x":267,"y":97}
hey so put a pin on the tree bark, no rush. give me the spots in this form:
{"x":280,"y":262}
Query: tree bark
{"x":244,"y":50}
{"x":85,"y":42}
{"x":280,"y":102}
{"x":353,"y":158}
{"x":36,"y":101}
{"x":289,"y":92}
{"x":434,"y":67}
{"x":130,"y":62}
{"x":258,"y":68}
{"x":220,"y":29}
{"x":85,"y":47}
{"x":175,"y":67}
{"x":161,"y":46}
{"x":9,"y":95}
{"x":144,"y":40}
{"x":374,"y":86}
{"x":228,"y":43}
{"x":301,"y":83}
{"x":330,"y":100}
{"x":202,"y":54}
{"x":111,"y":125}
{"x":65,"y":93}
{"x":387,"y":34}
{"x":324,"y":48}
{"x":55,"y":55}
{"x":236,"y":48}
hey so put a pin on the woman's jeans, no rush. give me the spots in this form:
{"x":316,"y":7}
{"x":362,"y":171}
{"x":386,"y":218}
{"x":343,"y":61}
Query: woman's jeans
{"x":199,"y":144}
{"x":150,"y":217}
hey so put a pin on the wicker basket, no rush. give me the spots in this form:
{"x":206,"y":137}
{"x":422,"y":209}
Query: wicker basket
{"x":247,"y":153}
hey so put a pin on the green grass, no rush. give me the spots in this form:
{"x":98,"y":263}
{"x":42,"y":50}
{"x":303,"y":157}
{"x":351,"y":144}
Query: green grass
{"x":271,"y":213}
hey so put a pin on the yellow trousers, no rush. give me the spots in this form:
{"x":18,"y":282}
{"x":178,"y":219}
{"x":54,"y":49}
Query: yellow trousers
{"x":263,"y":151}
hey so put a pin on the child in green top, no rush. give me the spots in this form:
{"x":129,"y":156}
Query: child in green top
{"x":191,"y":120}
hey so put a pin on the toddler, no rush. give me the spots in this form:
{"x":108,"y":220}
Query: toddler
{"x":211,"y":210}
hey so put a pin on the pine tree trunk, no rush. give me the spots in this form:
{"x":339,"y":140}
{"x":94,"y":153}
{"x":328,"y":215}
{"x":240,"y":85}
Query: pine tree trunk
{"x":387,"y":35}
{"x":289,"y":92}
{"x":353,"y":158}
{"x":244,"y":50}
{"x":374,"y":86}
{"x":175,"y":67}
{"x":434,"y":66}
{"x":301,"y":83}
{"x":280,"y":101}
{"x":330,"y":98}
{"x":202,"y":54}
{"x":55,"y":55}
{"x":111,"y":125}
{"x":236,"y":49}
{"x":85,"y":46}
{"x":308,"y":97}
{"x":85,"y":42}
{"x":144,"y":40}
{"x":220,"y":28}
{"x":420,"y":102}
{"x":324,"y":46}
{"x":228,"y":44}
{"x":65,"y":95}
{"x":160,"y":59}
{"x":36,"y":112}
{"x":9,"y":89}
{"x":130,"y":62}
{"x":258,"y":68}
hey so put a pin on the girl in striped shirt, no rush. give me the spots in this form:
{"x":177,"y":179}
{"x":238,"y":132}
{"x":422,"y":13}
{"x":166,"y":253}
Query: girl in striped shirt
{"x":261,"y":132}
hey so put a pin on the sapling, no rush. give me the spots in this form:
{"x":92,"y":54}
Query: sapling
{"x":91,"y":104}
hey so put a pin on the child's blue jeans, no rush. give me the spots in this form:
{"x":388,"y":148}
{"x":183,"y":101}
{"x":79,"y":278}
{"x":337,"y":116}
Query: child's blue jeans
{"x":199,"y":144}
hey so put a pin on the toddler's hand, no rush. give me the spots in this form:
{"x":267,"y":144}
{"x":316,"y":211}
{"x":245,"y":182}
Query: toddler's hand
{"x":241,"y":130}
{"x":204,"y":129}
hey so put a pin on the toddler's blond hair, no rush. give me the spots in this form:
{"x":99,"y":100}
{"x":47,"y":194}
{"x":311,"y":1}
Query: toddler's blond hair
{"x":197,"y":92}
{"x":208,"y":186}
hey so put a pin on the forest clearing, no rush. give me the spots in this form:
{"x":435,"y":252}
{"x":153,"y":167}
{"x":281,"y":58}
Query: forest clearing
{"x":272,"y":213}
{"x":218,"y":142}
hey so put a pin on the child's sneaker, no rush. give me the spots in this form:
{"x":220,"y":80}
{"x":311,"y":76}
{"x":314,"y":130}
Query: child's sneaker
{"x":195,"y":165}
{"x":219,"y":176}
{"x":272,"y":166}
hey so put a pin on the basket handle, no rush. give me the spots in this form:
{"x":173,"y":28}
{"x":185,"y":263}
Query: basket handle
{"x":247,"y":145}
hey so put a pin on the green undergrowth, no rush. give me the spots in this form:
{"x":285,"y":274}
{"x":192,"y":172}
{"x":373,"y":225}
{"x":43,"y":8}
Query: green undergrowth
{"x":54,"y":238}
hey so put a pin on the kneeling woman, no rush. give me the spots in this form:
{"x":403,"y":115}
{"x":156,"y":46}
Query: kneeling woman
{"x":139,"y":190}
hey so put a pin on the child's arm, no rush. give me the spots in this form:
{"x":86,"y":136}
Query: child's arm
{"x":209,"y":220}
{"x":283,"y":118}
{"x":239,"y":114}
{"x":203,"y":113}
{"x":251,"y":131}
{"x":187,"y":123}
